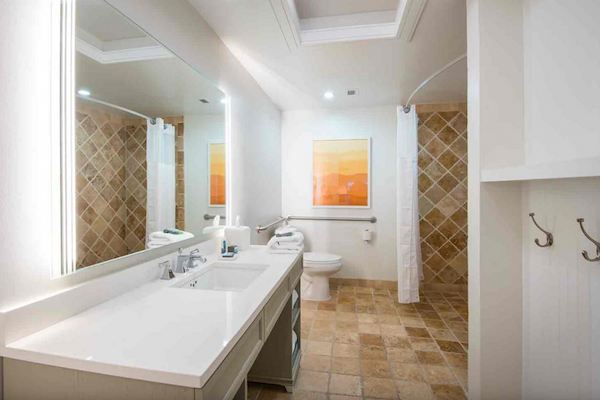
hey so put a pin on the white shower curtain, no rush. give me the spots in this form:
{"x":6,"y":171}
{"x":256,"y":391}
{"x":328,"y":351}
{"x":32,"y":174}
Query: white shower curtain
{"x":160,"y":147}
{"x":410,"y":269}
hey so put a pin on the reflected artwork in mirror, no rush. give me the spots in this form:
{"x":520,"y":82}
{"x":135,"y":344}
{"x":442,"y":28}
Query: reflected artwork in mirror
{"x":144,"y":120}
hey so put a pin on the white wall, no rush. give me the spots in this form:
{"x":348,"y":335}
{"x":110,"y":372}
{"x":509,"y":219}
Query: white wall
{"x":376,"y":260}
{"x":495,"y":126}
{"x":561,"y":64}
{"x":533,"y":312}
{"x":561,"y":292}
{"x":200,"y":130}
{"x":25,"y":186}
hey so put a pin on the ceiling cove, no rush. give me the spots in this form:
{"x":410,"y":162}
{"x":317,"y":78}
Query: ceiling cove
{"x":118,"y":50}
{"x":303,"y":23}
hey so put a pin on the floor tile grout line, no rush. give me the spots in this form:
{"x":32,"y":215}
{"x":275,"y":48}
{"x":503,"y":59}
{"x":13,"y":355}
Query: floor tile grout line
{"x":381,"y":304}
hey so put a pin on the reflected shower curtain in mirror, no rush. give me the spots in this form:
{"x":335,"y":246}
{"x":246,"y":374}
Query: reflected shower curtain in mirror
{"x":408,"y":246}
{"x":160,"y":147}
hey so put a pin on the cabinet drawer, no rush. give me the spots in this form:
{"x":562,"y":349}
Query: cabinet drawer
{"x":275,"y":305}
{"x":295,"y":273}
{"x":226,"y":380}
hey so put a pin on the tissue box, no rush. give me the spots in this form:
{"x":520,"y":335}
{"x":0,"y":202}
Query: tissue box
{"x":238,"y":236}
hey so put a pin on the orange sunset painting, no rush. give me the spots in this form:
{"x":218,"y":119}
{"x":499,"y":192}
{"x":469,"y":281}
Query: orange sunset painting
{"x":341,"y":173}
{"x":216,"y":154}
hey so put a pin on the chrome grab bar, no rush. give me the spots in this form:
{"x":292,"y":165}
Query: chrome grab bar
{"x":261,"y":228}
{"x":210,"y":216}
{"x":315,"y":218}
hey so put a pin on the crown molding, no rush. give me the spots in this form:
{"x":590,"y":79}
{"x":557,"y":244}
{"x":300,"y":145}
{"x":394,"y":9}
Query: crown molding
{"x":408,"y":16}
{"x":119,"y":51}
{"x":396,"y":24}
{"x":343,"y":28}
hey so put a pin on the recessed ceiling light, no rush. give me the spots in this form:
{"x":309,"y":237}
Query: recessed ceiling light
{"x":84,"y":92}
{"x":224,"y":100}
{"x":329,"y":95}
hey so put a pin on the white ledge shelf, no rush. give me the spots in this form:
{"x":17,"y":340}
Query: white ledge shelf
{"x":581,"y":168}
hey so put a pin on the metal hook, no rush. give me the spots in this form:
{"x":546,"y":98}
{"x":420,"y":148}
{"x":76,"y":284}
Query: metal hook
{"x":585,"y":253}
{"x":549,"y":236}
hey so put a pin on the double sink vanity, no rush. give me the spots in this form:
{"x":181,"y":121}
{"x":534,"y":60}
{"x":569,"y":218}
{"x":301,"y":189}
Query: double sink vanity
{"x":200,"y":335}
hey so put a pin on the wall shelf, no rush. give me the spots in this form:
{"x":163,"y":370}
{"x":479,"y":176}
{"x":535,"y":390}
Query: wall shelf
{"x":581,"y":168}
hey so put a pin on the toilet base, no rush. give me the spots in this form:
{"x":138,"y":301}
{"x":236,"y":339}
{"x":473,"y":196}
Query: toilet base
{"x":315,"y":287}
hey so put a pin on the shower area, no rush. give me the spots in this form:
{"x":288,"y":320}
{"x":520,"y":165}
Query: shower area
{"x":112,"y":180}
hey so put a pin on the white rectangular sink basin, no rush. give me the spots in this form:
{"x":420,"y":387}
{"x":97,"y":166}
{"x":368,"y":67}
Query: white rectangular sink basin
{"x":226,"y":277}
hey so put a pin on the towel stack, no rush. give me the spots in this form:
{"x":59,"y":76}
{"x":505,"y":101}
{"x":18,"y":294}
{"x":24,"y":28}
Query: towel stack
{"x":286,"y":240}
{"x":168,"y":236}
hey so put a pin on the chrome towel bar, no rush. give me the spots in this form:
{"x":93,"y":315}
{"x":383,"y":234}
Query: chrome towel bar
{"x":289,"y":218}
{"x":210,"y":216}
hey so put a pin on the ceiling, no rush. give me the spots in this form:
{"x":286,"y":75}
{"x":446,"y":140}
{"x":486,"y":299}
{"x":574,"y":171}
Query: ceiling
{"x":104,"y":22}
{"x":328,"y":8}
{"x":385,"y":71}
{"x":155,"y":88}
{"x":156,"y":84}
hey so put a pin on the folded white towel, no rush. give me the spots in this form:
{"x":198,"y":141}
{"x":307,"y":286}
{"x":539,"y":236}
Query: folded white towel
{"x":287,"y":246}
{"x":285,"y":229}
{"x":296,"y":239}
{"x":159,"y":238}
{"x":210,"y":229}
{"x":288,"y":250}
{"x":294,"y":340}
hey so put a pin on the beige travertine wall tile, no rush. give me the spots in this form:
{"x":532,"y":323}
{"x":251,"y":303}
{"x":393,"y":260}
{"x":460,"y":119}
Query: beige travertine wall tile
{"x":110,"y":158}
{"x":442,"y":138}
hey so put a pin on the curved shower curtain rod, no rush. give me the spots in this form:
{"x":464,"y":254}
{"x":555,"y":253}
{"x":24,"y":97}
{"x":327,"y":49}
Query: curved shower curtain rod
{"x":137,"y":114}
{"x":406,"y":108}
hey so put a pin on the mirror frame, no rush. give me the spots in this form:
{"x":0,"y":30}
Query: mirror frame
{"x":63,"y":153}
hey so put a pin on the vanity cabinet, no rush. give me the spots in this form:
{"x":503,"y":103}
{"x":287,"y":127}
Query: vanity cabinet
{"x":278,"y":362}
{"x":264,"y":353}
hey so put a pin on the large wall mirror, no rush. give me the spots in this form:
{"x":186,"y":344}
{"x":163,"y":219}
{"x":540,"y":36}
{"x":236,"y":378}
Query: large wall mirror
{"x":149,"y":142}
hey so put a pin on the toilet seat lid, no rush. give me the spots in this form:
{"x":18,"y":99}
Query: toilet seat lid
{"x":321,"y":258}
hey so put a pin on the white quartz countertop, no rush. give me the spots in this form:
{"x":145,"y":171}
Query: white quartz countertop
{"x":159,"y":332}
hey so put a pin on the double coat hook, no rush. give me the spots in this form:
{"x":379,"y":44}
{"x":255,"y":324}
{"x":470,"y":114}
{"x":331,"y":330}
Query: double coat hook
{"x":585,"y":253}
{"x":549,"y":236}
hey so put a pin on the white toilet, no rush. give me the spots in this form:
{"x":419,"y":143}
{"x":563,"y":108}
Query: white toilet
{"x":318,"y":267}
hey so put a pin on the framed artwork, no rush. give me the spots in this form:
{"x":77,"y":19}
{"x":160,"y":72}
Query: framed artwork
{"x":341,"y":171}
{"x":216,"y":175}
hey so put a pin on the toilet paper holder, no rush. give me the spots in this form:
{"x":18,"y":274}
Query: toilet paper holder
{"x":367,"y":235}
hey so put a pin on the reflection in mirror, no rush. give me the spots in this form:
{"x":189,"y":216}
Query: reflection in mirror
{"x":149,"y":141}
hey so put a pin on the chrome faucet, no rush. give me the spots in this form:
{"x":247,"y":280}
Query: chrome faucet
{"x":167,"y":271}
{"x":185,"y":262}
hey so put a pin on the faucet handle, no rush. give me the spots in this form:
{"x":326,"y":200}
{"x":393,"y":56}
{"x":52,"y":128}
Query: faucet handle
{"x":168,"y":271}
{"x":194,"y":251}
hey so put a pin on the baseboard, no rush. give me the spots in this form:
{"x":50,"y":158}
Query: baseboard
{"x":376,"y":284}
{"x":444,"y":288}
{"x":393,"y":285}
{"x":1,"y":379}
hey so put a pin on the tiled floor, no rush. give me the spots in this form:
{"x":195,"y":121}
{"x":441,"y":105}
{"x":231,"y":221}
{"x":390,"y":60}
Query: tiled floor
{"x":363,"y":344}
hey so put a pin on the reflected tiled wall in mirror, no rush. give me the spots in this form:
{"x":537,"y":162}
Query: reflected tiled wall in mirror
{"x":143,"y":124}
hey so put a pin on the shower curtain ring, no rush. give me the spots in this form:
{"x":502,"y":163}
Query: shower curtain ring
{"x":549,"y":236}
{"x":585,"y":253}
